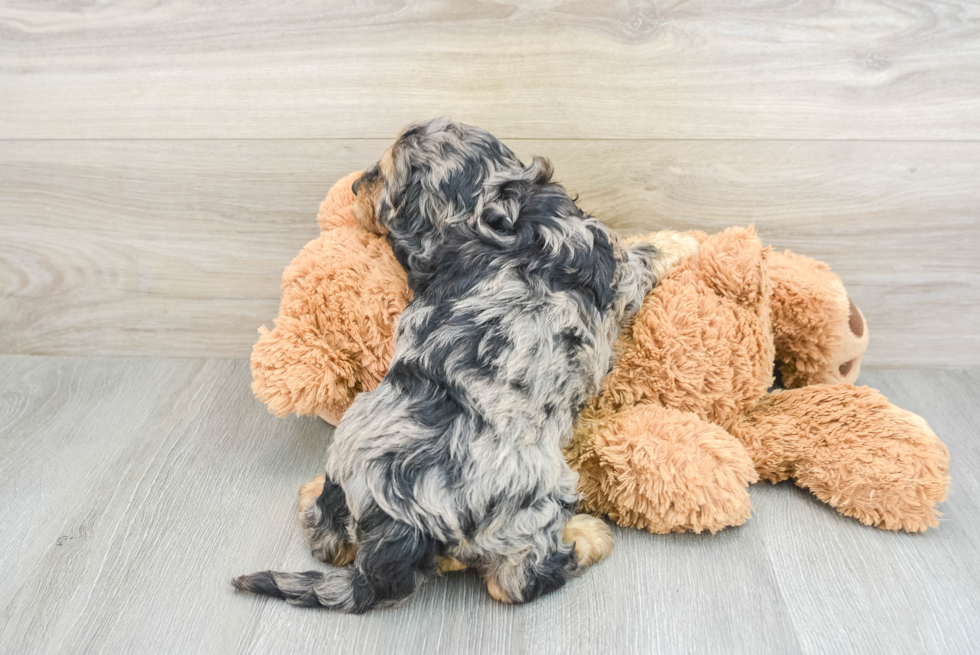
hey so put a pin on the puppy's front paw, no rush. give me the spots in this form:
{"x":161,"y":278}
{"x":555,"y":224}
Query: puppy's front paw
{"x":592,"y":537}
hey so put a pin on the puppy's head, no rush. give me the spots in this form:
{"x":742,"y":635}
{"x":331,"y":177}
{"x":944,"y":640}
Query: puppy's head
{"x":445,"y":184}
{"x":438,"y":173}
{"x":370,"y":202}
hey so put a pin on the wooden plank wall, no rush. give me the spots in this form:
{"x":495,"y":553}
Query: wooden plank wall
{"x":160,"y":165}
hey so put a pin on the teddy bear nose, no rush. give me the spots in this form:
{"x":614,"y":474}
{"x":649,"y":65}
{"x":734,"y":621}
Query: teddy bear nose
{"x":353,"y":187}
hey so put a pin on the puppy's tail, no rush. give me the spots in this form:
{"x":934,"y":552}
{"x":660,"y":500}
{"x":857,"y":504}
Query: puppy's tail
{"x":392,"y":560}
{"x":344,"y":589}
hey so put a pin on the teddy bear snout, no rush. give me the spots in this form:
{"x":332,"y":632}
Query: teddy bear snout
{"x":845,"y":368}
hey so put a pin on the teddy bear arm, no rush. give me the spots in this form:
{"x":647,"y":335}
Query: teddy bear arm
{"x":302,"y":366}
{"x":333,"y":338}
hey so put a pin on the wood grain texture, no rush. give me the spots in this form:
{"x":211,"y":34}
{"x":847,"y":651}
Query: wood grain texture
{"x":134,"y":489}
{"x":161,"y":163}
{"x":176,"y":248}
{"x":878,"y":69}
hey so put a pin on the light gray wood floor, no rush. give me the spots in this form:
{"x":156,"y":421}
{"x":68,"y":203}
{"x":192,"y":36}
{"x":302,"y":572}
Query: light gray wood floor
{"x":134,"y":489}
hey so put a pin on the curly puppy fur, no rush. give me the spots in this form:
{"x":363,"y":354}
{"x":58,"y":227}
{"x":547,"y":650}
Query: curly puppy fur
{"x":518,"y":298}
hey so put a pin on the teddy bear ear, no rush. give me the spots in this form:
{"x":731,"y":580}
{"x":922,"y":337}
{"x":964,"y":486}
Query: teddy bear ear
{"x":337,"y":209}
{"x":733,"y":263}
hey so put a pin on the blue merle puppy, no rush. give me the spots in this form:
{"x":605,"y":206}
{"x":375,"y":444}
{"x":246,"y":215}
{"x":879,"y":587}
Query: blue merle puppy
{"x":455,"y":460}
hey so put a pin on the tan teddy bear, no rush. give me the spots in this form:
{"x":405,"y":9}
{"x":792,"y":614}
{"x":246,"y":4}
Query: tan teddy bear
{"x":685,"y":421}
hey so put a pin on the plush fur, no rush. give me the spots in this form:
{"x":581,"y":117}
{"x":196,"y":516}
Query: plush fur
{"x":819,"y":334}
{"x":518,"y":297}
{"x":685,"y":422}
{"x":335,"y":334}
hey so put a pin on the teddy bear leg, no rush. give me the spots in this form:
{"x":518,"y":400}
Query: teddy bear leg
{"x":661,"y":469}
{"x":853,"y":450}
{"x":324,"y":514}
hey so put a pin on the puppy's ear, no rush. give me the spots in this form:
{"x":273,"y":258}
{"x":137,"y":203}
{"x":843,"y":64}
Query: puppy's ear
{"x":540,"y":171}
{"x":507,"y":201}
{"x":579,"y":253}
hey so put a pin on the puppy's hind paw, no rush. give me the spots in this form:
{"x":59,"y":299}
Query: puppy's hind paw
{"x":328,"y":540}
{"x":592,"y":537}
{"x":310,"y":492}
{"x":448,"y":564}
{"x":497,"y":592}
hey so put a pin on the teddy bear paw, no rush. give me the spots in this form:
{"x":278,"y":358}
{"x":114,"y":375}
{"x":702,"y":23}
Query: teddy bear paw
{"x":892,"y":477}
